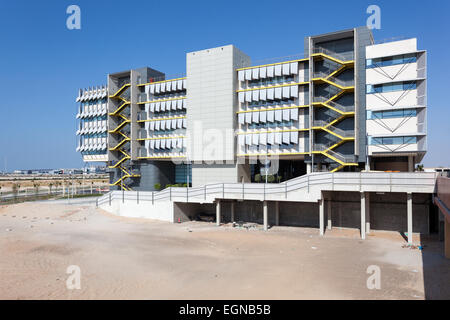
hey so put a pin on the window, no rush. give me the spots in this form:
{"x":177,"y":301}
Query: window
{"x":390,"y":87}
{"x":391,"y":61}
{"x":391,"y":114}
{"x":392,"y":140}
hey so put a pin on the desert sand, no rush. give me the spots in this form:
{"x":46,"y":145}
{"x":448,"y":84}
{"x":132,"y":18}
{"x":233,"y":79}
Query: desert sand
{"x":122,"y":258}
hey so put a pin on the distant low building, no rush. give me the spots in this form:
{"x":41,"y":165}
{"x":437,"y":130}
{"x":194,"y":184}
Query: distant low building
{"x":445,"y":172}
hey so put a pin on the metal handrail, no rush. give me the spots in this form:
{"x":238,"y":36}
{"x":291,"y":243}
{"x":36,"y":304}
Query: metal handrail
{"x":340,"y":56}
{"x":247,"y":190}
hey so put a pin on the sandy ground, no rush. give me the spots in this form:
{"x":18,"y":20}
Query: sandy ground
{"x":124,"y":258}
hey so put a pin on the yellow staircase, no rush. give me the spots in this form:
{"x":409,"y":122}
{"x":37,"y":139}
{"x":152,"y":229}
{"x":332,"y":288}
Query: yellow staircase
{"x":123,"y":139}
{"x":343,"y":112}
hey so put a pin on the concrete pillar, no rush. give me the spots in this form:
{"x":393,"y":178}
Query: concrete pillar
{"x":218,"y":213}
{"x":410,"y":217}
{"x":321,"y":216}
{"x":265,"y":215}
{"x":363,"y":215}
{"x":329,"y":214}
{"x":367,"y":212}
{"x":277,"y":213}
{"x":447,"y":238}
{"x":410,"y":163}
{"x":233,"y":207}
{"x":308,"y":168}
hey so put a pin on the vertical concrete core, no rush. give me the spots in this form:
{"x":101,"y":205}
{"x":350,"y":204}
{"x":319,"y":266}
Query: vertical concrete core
{"x":410,"y":217}
{"x":321,"y":216}
{"x":363,"y":215}
{"x":218,"y":213}
{"x":265,"y":215}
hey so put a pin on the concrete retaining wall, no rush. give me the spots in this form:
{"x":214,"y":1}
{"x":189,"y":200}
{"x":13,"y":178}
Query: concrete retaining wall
{"x":160,"y":210}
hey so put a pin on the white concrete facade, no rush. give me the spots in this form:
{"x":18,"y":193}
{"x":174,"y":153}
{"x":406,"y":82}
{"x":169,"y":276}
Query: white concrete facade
{"x":396,"y":100}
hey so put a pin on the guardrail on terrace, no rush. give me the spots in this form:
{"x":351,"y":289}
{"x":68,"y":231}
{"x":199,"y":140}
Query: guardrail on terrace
{"x":254,"y":191}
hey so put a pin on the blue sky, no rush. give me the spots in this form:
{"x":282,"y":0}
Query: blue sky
{"x":43,"y":64}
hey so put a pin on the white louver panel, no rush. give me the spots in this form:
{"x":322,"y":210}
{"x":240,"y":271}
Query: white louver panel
{"x":263,"y":116}
{"x":270,"y":93}
{"x":255,"y":73}
{"x":270,"y":138}
{"x":286,"y":137}
{"x":278,"y":93}
{"x":255,"y":139}
{"x":248,"y":96}
{"x":248,"y":74}
{"x":286,"y":114}
{"x":241,"y":140}
{"x":294,"y":137}
{"x":270,"y":71}
{"x":294,"y":91}
{"x":248,"y":139}
{"x":255,"y":117}
{"x":263,"y":138}
{"x":255,"y":95}
{"x":278,"y":115}
{"x":271,"y":116}
{"x":241,"y":75}
{"x":241,"y":97}
{"x":294,"y":67}
{"x":263,"y":72}
{"x":248,"y":117}
{"x":286,"y":92}
{"x":278,"y":70}
{"x":277,"y":137}
{"x":294,"y":114}
{"x":286,"y":69}
{"x":263,"y":94}
{"x":241,"y":117}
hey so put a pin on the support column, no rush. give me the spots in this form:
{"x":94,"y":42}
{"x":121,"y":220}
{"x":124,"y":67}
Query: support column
{"x":363,"y":215}
{"x":410,"y":163}
{"x":447,"y":238}
{"x":218,"y":212}
{"x":308,"y":168}
{"x":265,"y":215}
{"x":329,"y":214}
{"x":232,"y":211}
{"x":321,"y":216}
{"x":367,"y":212}
{"x":410,"y":217}
{"x":277,"y":213}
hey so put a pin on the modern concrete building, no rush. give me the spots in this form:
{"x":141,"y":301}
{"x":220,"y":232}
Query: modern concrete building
{"x":348,"y":104}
